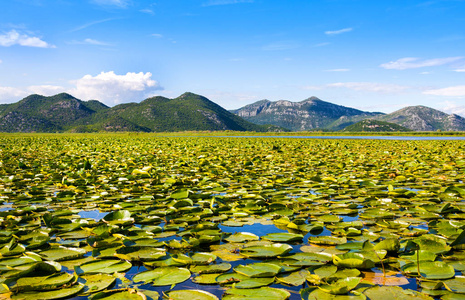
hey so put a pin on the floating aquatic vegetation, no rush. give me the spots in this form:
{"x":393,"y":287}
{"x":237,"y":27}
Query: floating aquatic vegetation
{"x":143,"y":217}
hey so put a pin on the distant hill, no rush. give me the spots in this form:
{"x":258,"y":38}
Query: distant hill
{"x":370,"y":125}
{"x":46,"y":114}
{"x":191,"y":112}
{"x":314,"y":113}
{"x":422,"y":118}
{"x":64,"y":112}
{"x":308,"y":114}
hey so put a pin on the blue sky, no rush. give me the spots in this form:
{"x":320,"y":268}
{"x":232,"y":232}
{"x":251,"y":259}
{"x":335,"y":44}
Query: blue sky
{"x":372,"y":55}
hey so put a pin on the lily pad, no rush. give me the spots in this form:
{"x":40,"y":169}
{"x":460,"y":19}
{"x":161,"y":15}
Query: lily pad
{"x":393,"y":292}
{"x":163,"y":276}
{"x":96,"y":282}
{"x":239,"y":237}
{"x":266,"y":251}
{"x":190,"y":294}
{"x":217,"y":268}
{"x":252,"y":283}
{"x":327,"y":240}
{"x":55,"y":294}
{"x":120,"y":217}
{"x":341,"y":286}
{"x":456,"y":285}
{"x":434,"y":270}
{"x":353,"y":260}
{"x":263,"y":293}
{"x":43,"y":283}
{"x":122,"y":294}
{"x":107,"y":266}
{"x":62,"y":253}
{"x":258,"y":270}
{"x":283,"y":237}
{"x":295,"y":278}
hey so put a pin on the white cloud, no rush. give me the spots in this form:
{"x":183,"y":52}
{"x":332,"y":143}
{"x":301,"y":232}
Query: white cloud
{"x":460,"y":70}
{"x":335,"y":32}
{"x":13,"y":37}
{"x":147,"y":11}
{"x":117,"y":3}
{"x":370,"y":87}
{"x":451,"y":107}
{"x":91,"y":24}
{"x":338,"y":70}
{"x":314,"y":87}
{"x":225,"y":2}
{"x":157,"y":35}
{"x":320,"y":45}
{"x":452,"y":91}
{"x":112,"y":89}
{"x":1,"y":61}
{"x":373,"y":87}
{"x":11,"y":94}
{"x":90,"y":42}
{"x":278,"y":46}
{"x":45,"y":90}
{"x":413,"y":63}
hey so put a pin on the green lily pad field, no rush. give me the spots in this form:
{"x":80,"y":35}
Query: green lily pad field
{"x":139,"y":216}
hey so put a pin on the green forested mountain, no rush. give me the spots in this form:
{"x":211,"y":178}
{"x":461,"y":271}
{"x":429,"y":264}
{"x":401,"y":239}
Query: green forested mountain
{"x":64,"y":112}
{"x":191,"y":112}
{"x":370,"y":125}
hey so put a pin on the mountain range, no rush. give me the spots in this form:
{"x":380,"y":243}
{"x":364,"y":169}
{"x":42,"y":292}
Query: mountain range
{"x":313,"y":113}
{"x":191,"y":112}
{"x":65,"y":113}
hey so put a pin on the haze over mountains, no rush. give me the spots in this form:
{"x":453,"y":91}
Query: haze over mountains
{"x":188,"y":112}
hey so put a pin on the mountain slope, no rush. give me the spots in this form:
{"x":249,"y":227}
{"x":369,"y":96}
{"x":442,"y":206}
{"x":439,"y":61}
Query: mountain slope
{"x":422,"y":118}
{"x":63,"y":112}
{"x":308,"y":114}
{"x":45,"y":114}
{"x":186,"y":112}
{"x":370,"y":125}
{"x":61,"y":109}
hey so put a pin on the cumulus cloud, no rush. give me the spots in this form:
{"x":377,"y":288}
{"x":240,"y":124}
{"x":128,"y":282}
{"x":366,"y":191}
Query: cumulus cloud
{"x":45,"y":90}
{"x":413,"y":63}
{"x":370,"y":87}
{"x":452,"y":91}
{"x":112,"y":89}
{"x":13,"y":37}
{"x":106,"y":87}
{"x":11,"y":94}
{"x":335,"y":32}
